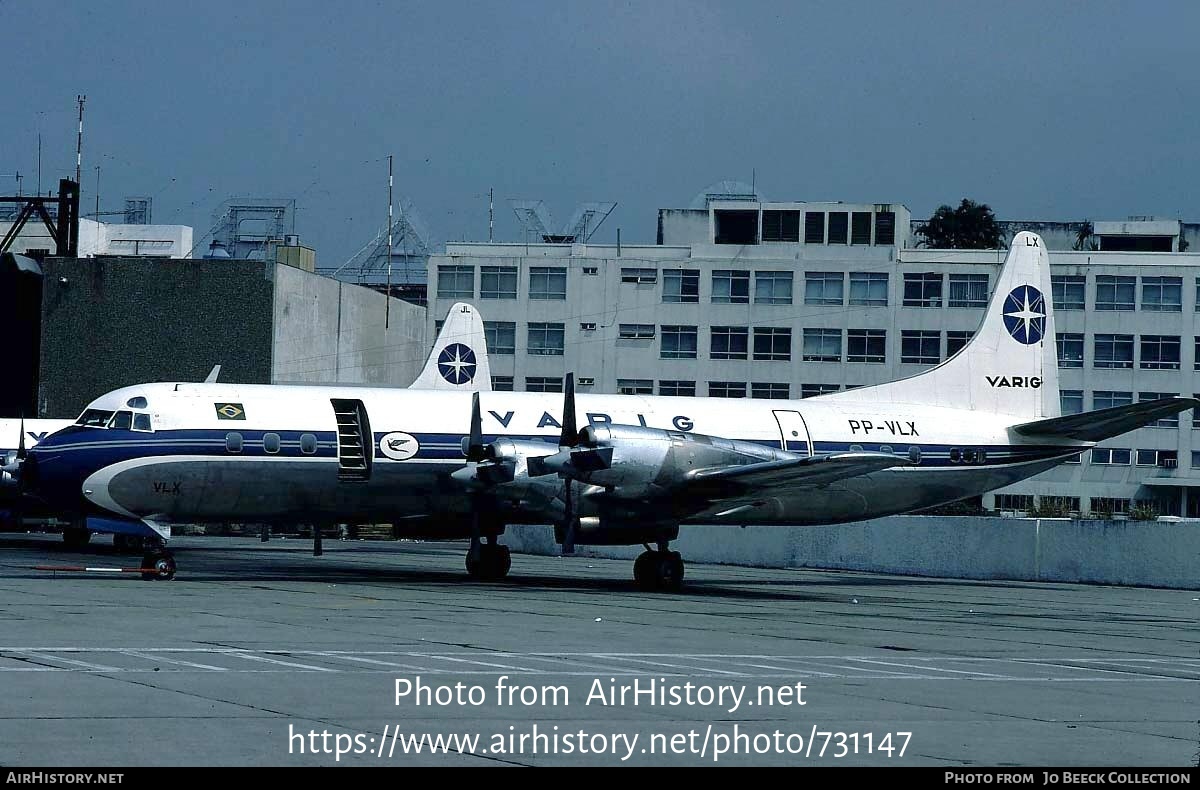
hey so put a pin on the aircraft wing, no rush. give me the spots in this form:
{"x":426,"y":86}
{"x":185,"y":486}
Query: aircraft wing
{"x":793,"y":473}
{"x":1094,"y":426}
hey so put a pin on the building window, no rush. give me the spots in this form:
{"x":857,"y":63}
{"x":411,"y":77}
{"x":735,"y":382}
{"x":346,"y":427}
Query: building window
{"x":869,"y":289}
{"x":1014,"y":501}
{"x":968,"y":290}
{"x":736,"y":226}
{"x":1070,"y":350}
{"x":1110,"y":505}
{"x":1115,"y":292}
{"x":678,"y":342}
{"x":1113,"y":351}
{"x":729,"y":342}
{"x":730,"y":286}
{"x":1170,"y":421}
{"x":823,"y":287}
{"x":770,"y":390}
{"x":920,"y":347}
{"x":681,"y":285}
{"x":501,"y":337}
{"x":1071,"y":401}
{"x":813,"y":390}
{"x":866,"y":345}
{"x":837,"y":227}
{"x":547,"y":282}
{"x":635,"y":331}
{"x":635,"y":386}
{"x":497,"y":282}
{"x":1069,"y":291}
{"x":885,"y":228}
{"x":772,"y":287}
{"x":1162,"y":294}
{"x":1108,"y":399}
{"x":639,"y":275}
{"x":1168,"y":459}
{"x":860,"y":227}
{"x":923,"y":289}
{"x":1111,"y":456}
{"x":543,"y":384}
{"x":677,"y":388}
{"x":821,"y":345}
{"x":775,"y":343}
{"x":814,"y":229}
{"x":1061,"y":504}
{"x":726,"y":389}
{"x":502,"y":383}
{"x":456,"y":281}
{"x":781,"y":226}
{"x":1160,"y":352}
{"x":546,"y":340}
{"x":1195,"y":459}
{"x":591,"y":271}
{"x":955,"y":340}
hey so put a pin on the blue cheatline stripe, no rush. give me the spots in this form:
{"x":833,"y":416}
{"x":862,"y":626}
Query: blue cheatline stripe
{"x":106,"y":446}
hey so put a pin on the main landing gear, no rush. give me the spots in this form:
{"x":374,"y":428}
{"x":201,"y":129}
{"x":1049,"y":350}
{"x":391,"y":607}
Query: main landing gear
{"x":488,"y":561}
{"x":158,"y":564}
{"x":659,"y":569}
{"x":75,"y":537}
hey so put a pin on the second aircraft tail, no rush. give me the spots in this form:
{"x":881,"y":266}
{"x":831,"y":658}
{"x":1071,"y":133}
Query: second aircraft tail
{"x":459,"y":359}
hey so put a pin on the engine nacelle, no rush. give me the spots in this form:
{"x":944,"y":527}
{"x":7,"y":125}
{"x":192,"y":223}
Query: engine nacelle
{"x":601,"y":531}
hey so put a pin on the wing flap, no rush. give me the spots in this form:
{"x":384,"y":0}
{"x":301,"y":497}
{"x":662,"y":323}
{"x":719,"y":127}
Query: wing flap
{"x":1095,"y":426}
{"x":811,"y":471}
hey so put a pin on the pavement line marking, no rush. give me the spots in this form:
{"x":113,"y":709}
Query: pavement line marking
{"x":377,"y":662}
{"x":569,"y":661}
{"x":676,"y":666}
{"x":1146,"y":675}
{"x":252,"y":657}
{"x":886,"y":672}
{"x":927,"y":668}
{"x":437,"y":657}
{"x":177,"y":661}
{"x":61,"y":660}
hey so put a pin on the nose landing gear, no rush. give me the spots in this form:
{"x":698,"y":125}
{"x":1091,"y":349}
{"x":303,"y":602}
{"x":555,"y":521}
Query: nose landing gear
{"x":158,"y":564}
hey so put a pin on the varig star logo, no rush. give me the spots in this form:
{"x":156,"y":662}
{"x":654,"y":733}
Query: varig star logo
{"x":1025,"y":314}
{"x":456,"y":363}
{"x":230,"y":411}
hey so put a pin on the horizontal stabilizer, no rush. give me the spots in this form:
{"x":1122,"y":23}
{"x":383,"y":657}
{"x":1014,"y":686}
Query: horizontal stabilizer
{"x":810,"y":471}
{"x":1094,"y":426}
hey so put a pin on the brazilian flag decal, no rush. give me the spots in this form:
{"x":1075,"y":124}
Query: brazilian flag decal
{"x":230,"y":411}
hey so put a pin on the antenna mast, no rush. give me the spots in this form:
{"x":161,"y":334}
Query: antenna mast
{"x":79,"y":139}
{"x":387,"y":307}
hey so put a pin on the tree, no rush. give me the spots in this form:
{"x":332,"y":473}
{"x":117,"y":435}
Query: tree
{"x":971,"y":226}
{"x":1084,"y":237}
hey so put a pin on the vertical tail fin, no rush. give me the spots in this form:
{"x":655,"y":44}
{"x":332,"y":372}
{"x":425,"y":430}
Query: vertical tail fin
{"x":1010,"y":365}
{"x":459,"y":359}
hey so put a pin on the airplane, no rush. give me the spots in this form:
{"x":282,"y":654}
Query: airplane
{"x":458,"y":361}
{"x":459,"y":464}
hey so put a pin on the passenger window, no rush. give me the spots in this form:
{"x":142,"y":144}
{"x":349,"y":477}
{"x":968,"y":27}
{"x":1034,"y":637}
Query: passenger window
{"x":955,"y":455}
{"x":883,"y":448}
{"x":308,"y":443}
{"x":141,"y":422}
{"x":271,"y":442}
{"x":122,"y":421}
{"x":914,"y":454}
{"x":968,"y":456}
{"x":233,"y":442}
{"x":981,"y":457}
{"x":856,"y":448}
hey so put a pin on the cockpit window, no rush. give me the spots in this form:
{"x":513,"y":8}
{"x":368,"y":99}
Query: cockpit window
{"x":141,"y":422}
{"x":137,"y":402}
{"x":94,"y":418}
{"x":122,"y":421}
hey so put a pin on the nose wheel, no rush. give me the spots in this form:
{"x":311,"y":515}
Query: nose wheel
{"x":158,"y":565}
{"x":658,"y":570}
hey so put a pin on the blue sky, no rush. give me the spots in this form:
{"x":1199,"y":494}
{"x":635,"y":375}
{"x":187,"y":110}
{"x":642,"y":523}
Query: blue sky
{"x":1043,"y":110}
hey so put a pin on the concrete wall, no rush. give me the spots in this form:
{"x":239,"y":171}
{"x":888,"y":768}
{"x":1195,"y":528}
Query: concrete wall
{"x":1141,"y":553}
{"x":327,"y":331}
{"x":112,"y":322}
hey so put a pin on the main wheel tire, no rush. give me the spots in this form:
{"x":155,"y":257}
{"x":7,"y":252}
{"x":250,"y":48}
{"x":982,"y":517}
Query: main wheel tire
{"x":490,"y":562}
{"x":644,"y":574}
{"x":76,"y":537}
{"x":158,"y":565}
{"x":670,"y":571}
